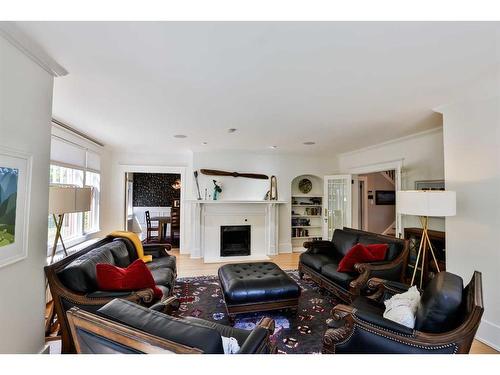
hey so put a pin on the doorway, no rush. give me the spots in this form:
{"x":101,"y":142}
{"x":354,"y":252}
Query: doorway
{"x":153,"y":206}
{"x":377,"y":202}
{"x":392,"y":170}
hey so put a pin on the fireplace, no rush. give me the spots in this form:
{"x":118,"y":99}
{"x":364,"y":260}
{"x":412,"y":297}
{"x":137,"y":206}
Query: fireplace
{"x":234,"y":240}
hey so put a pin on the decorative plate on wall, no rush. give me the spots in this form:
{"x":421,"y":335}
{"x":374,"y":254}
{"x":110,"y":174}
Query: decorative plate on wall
{"x":305,"y":185}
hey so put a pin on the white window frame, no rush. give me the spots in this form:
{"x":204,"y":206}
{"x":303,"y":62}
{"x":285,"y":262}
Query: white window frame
{"x":85,"y":235}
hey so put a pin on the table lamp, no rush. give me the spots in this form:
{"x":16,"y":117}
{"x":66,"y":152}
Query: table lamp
{"x":425,"y":203}
{"x":64,"y":200}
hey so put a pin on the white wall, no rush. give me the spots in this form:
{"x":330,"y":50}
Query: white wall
{"x":25,"y":118}
{"x":422,"y":156}
{"x":472,"y":169}
{"x":284,"y":167}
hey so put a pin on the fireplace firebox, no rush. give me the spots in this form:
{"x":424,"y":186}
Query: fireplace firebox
{"x":234,"y":240}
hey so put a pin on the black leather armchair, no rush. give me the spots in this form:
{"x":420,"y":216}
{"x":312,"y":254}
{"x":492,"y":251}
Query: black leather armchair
{"x":321,"y":259}
{"x":447,"y":319}
{"x":72,"y":280}
{"x":124,"y":327}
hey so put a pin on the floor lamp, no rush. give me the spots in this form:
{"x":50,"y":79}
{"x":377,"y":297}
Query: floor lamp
{"x":425,"y":204}
{"x":65,"y":200}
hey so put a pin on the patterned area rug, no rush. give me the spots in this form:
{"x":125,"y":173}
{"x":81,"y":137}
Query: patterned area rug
{"x":301,"y":333}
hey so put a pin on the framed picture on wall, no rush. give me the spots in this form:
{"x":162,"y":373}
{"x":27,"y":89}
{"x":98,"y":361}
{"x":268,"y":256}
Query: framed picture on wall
{"x":429,"y":185}
{"x":15,"y":188}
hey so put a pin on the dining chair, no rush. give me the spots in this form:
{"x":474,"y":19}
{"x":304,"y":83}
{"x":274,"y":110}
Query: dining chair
{"x":150,"y":228}
{"x":175,"y":225}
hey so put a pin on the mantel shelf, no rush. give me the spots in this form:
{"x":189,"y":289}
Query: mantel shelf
{"x":222,"y":201}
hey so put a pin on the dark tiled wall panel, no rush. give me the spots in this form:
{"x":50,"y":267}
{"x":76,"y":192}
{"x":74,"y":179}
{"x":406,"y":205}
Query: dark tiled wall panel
{"x":155,"y":189}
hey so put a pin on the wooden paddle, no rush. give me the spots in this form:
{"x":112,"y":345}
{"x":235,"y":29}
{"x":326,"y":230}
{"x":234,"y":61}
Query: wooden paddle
{"x":214,"y":172}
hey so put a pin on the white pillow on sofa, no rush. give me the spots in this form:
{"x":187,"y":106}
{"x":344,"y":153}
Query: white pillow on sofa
{"x":230,"y":345}
{"x":401,"y":308}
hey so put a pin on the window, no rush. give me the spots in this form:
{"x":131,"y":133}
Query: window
{"x":74,"y":165}
{"x":91,"y":218}
{"x":72,"y":225}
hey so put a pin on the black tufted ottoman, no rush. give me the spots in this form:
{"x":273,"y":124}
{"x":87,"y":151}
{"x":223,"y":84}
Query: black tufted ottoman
{"x":261,"y":286}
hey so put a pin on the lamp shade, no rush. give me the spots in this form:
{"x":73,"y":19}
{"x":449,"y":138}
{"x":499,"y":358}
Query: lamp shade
{"x":69,"y":199}
{"x":426,"y":202}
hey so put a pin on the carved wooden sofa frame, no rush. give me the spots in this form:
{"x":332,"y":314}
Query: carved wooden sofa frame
{"x":138,"y":341}
{"x":365,"y":270}
{"x":61,"y":294}
{"x":457,"y":341}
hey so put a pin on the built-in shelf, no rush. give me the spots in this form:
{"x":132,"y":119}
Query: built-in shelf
{"x":306,"y":210}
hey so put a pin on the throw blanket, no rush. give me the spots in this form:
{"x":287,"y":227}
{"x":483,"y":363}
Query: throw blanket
{"x":136,"y":241}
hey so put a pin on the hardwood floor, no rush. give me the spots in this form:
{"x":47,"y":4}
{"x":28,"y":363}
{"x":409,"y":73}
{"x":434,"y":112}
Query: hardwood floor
{"x":187,"y":267}
{"x":195,"y":267}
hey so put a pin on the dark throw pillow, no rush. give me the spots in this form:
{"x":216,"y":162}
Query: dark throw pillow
{"x":378,"y":250}
{"x":361,"y":254}
{"x":135,"y":277}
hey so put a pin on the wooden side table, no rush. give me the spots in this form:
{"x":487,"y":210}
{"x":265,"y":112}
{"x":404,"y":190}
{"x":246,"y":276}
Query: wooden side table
{"x":438,"y":240}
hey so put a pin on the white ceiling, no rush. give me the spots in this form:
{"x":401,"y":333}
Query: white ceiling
{"x":344,"y":85}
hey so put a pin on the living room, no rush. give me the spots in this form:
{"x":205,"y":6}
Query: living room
{"x":267,"y":187}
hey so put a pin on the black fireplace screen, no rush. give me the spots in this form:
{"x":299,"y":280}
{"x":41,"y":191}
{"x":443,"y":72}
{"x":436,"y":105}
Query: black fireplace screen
{"x":234,"y":240}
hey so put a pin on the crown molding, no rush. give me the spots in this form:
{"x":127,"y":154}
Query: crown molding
{"x":395,"y":140}
{"x":31,"y":49}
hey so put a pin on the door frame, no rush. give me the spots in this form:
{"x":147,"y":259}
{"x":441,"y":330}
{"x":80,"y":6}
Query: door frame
{"x":325,"y":201}
{"x":364,"y":217}
{"x":123,"y":169}
{"x":397,"y":165}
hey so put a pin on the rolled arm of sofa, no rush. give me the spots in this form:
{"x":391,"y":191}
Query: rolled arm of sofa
{"x":166,"y":305}
{"x":258,"y":341}
{"x":318,"y":246}
{"x":156,"y":250}
{"x":389,"y":286}
{"x":143,"y":296}
{"x":388,"y":270}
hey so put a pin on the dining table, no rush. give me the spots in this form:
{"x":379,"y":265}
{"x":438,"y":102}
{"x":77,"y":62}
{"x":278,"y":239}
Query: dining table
{"x":162,"y":225}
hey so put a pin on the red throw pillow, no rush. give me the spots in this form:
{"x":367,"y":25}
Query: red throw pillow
{"x":357,"y":254}
{"x":378,"y":250}
{"x":135,"y":277}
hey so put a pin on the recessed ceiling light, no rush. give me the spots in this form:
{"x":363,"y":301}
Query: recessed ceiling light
{"x":180,"y":136}
{"x":273,"y":147}
{"x":231,"y":130}
{"x":309,"y":143}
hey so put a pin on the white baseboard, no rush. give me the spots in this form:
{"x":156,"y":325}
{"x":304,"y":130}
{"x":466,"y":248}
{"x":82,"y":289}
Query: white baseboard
{"x":284,"y":247}
{"x":233,"y":259}
{"x":489,"y":334}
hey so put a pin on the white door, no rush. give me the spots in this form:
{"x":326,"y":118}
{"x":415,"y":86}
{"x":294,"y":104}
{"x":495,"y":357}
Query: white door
{"x":337,"y":204}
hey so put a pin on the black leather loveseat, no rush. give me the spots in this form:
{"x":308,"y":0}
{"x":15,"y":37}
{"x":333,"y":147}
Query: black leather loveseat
{"x":72,"y":280}
{"x":127,"y":328}
{"x":321,"y":260}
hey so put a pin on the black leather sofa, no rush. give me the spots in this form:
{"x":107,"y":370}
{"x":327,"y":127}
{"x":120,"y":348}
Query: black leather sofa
{"x":447,"y":319}
{"x":127,"y":328}
{"x":320,"y":262}
{"x":72,"y":280}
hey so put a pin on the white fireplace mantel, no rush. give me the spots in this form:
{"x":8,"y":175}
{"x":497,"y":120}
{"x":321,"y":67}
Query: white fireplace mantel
{"x":209,"y":215}
{"x":221,"y":201}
